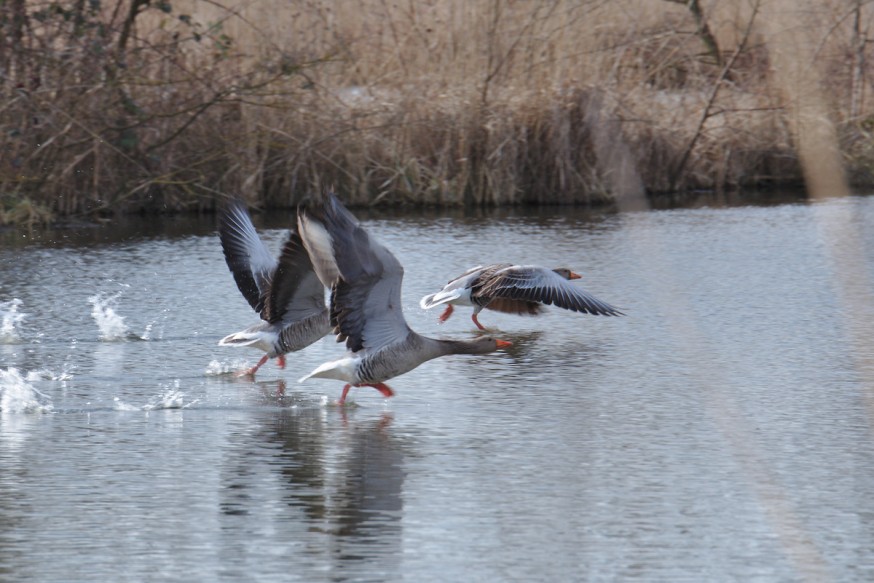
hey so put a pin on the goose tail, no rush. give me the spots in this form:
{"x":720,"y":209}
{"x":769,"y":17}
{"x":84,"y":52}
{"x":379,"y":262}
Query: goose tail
{"x":341,"y":370}
{"x":440,"y":297}
{"x":244,"y":338}
{"x":257,"y":338}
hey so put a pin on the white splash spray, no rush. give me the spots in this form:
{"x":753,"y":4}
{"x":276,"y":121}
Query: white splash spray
{"x":10,"y":318}
{"x":170,"y":398}
{"x":120,"y":405}
{"x":44,"y":374}
{"x":147,"y":333}
{"x":217,"y":368}
{"x":111,"y":325}
{"x":18,"y":396}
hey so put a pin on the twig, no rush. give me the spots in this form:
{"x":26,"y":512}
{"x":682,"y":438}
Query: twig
{"x":704,"y":31}
{"x":681,"y":166}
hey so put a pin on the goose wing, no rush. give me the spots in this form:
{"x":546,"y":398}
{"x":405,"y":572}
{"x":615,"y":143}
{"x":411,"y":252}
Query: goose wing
{"x":364,"y":277}
{"x":246,"y":255}
{"x":295,"y":291}
{"x":537,"y":284}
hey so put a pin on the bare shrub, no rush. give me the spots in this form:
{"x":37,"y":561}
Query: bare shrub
{"x":161,"y":106}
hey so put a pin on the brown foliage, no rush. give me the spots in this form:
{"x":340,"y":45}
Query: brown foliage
{"x":162,"y":106}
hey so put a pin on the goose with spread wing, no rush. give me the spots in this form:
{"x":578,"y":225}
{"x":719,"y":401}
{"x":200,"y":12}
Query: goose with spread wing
{"x":365,"y":282}
{"x":516,"y":289}
{"x":285,"y":292}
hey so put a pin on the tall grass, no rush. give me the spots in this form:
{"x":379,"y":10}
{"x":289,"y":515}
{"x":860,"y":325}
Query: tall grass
{"x":157,"y":106}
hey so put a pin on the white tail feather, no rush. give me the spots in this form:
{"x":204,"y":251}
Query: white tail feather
{"x":341,"y":370}
{"x":236,"y":340}
{"x":440,"y":297}
{"x":248,"y":338}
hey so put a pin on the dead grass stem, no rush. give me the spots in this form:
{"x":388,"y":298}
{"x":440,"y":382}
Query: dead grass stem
{"x":145,"y":106}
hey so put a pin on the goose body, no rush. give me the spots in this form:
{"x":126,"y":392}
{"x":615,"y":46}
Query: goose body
{"x":515,"y":289}
{"x":285,"y":292}
{"x":365,"y":282}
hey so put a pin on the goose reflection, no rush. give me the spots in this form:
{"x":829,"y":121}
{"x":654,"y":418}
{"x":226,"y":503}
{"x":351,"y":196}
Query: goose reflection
{"x":342,"y":474}
{"x":348,"y":482}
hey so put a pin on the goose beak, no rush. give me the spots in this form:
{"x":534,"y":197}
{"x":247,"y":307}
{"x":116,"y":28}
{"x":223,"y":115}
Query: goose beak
{"x":503,"y":343}
{"x":575,"y":276}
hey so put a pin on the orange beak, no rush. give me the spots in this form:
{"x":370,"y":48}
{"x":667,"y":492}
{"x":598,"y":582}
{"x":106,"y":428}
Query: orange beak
{"x":503,"y":343}
{"x":574,"y":275}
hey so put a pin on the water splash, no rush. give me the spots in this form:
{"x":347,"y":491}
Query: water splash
{"x":45,"y":374}
{"x":217,"y":368}
{"x":17,"y":396}
{"x":120,"y":405}
{"x":111,"y":325}
{"x":10,"y":318}
{"x":171,"y":398}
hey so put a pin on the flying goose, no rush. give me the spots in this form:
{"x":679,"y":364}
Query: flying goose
{"x":365,"y":282}
{"x":286,"y":292}
{"x":515,"y":289}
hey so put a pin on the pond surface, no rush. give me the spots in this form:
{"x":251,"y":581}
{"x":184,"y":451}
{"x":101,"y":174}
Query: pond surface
{"x":721,"y":431}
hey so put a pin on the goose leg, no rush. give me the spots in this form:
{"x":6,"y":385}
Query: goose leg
{"x":382,"y":388}
{"x":254,"y":369}
{"x":475,"y":321}
{"x":446,"y":313}
{"x":280,"y":360}
{"x":343,"y":395}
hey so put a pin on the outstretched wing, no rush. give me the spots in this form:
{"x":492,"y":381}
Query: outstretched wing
{"x":247,"y":257}
{"x":295,"y":291}
{"x":364,"y":277}
{"x":537,"y":284}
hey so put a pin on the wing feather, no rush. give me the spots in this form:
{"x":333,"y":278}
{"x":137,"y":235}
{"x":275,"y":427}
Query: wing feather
{"x":537,"y":284}
{"x":366,"y":291}
{"x":247,"y":257}
{"x":295,"y":290}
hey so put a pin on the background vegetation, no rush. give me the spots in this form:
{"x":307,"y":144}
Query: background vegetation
{"x":113,"y":106}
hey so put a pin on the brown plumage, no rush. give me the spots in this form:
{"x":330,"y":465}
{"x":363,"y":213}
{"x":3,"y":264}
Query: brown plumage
{"x":516,"y":289}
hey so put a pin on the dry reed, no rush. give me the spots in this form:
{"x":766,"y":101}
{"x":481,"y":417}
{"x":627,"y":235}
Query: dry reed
{"x":163,"y":106}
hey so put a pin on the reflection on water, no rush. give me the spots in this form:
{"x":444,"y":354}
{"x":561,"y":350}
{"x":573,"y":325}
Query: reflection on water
{"x":720,"y":431}
{"x":339,"y":474}
{"x":355,"y":501}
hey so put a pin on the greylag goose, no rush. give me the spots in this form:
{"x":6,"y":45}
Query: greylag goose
{"x":516,"y":289}
{"x":365,"y":282}
{"x":286,"y":292}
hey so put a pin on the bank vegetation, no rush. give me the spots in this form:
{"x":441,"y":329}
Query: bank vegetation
{"x":118,"y":106}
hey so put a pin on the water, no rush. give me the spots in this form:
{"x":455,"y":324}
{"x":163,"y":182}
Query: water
{"x":10,"y":319}
{"x":721,"y":431}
